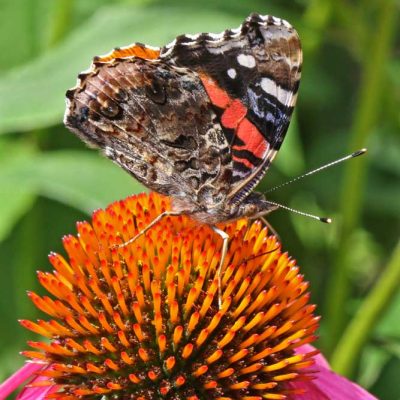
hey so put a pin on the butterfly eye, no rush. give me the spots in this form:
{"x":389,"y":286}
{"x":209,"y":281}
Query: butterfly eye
{"x":156,"y":91}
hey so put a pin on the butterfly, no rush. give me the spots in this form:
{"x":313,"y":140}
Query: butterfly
{"x":199,"y":120}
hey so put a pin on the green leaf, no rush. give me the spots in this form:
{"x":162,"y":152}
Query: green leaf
{"x":389,"y":326}
{"x":32,"y":97}
{"x":16,"y":193}
{"x":20,"y":30}
{"x":79,"y":179}
{"x":387,"y":143}
{"x":82,"y":180}
{"x":373,"y":360}
{"x":15,"y":202}
{"x":387,"y":385}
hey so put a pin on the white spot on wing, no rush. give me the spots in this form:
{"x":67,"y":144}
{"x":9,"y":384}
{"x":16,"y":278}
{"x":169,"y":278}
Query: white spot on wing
{"x":232,"y":73}
{"x":277,"y":21}
{"x":193,"y":37}
{"x":216,"y":36}
{"x":109,"y":151}
{"x":270,"y":87}
{"x":236,"y":31}
{"x":246,"y":60}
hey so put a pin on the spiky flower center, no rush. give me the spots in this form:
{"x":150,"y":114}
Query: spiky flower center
{"x":143,"y":321}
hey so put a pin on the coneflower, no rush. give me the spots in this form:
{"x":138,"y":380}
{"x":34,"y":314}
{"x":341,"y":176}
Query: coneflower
{"x":143,"y":321}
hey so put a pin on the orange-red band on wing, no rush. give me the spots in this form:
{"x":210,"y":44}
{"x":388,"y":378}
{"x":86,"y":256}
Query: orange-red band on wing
{"x":233,"y":114}
{"x":132,"y":51}
{"x":234,"y":117}
{"x":252,"y":138}
{"x":217,"y":95}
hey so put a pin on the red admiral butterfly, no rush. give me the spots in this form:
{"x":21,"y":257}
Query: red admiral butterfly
{"x":200,"y":119}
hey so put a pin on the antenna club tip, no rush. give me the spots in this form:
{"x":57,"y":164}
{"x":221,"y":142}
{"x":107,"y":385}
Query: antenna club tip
{"x":359,"y":152}
{"x":326,"y":220}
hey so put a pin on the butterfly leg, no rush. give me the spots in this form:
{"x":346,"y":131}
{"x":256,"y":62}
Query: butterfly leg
{"x":149,"y":226}
{"x":225,"y":238}
{"x":270,"y":228}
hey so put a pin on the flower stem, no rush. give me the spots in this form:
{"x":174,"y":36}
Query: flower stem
{"x":366,"y":116}
{"x":348,"y":350}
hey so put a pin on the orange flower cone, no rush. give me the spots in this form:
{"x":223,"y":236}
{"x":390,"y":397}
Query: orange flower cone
{"x":143,"y":322}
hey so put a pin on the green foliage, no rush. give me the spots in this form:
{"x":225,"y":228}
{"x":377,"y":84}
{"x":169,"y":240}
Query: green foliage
{"x":349,"y":98}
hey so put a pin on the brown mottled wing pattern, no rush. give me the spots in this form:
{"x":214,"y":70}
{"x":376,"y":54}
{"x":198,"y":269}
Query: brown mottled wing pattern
{"x":155,"y":121}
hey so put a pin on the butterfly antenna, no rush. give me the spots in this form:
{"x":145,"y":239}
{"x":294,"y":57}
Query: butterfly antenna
{"x":321,"y":219}
{"x":331,"y":164}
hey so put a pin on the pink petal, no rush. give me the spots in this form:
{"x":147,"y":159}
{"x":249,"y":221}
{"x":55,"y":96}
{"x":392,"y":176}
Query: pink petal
{"x":328,"y":385}
{"x":19,"y":377}
{"x":35,"y":393}
{"x":28,"y":371}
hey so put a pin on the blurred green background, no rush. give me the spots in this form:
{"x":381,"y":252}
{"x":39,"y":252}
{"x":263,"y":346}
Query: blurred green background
{"x":349,"y":98}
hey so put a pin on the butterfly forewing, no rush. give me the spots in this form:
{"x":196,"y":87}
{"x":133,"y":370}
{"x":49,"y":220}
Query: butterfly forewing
{"x":251,"y":75}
